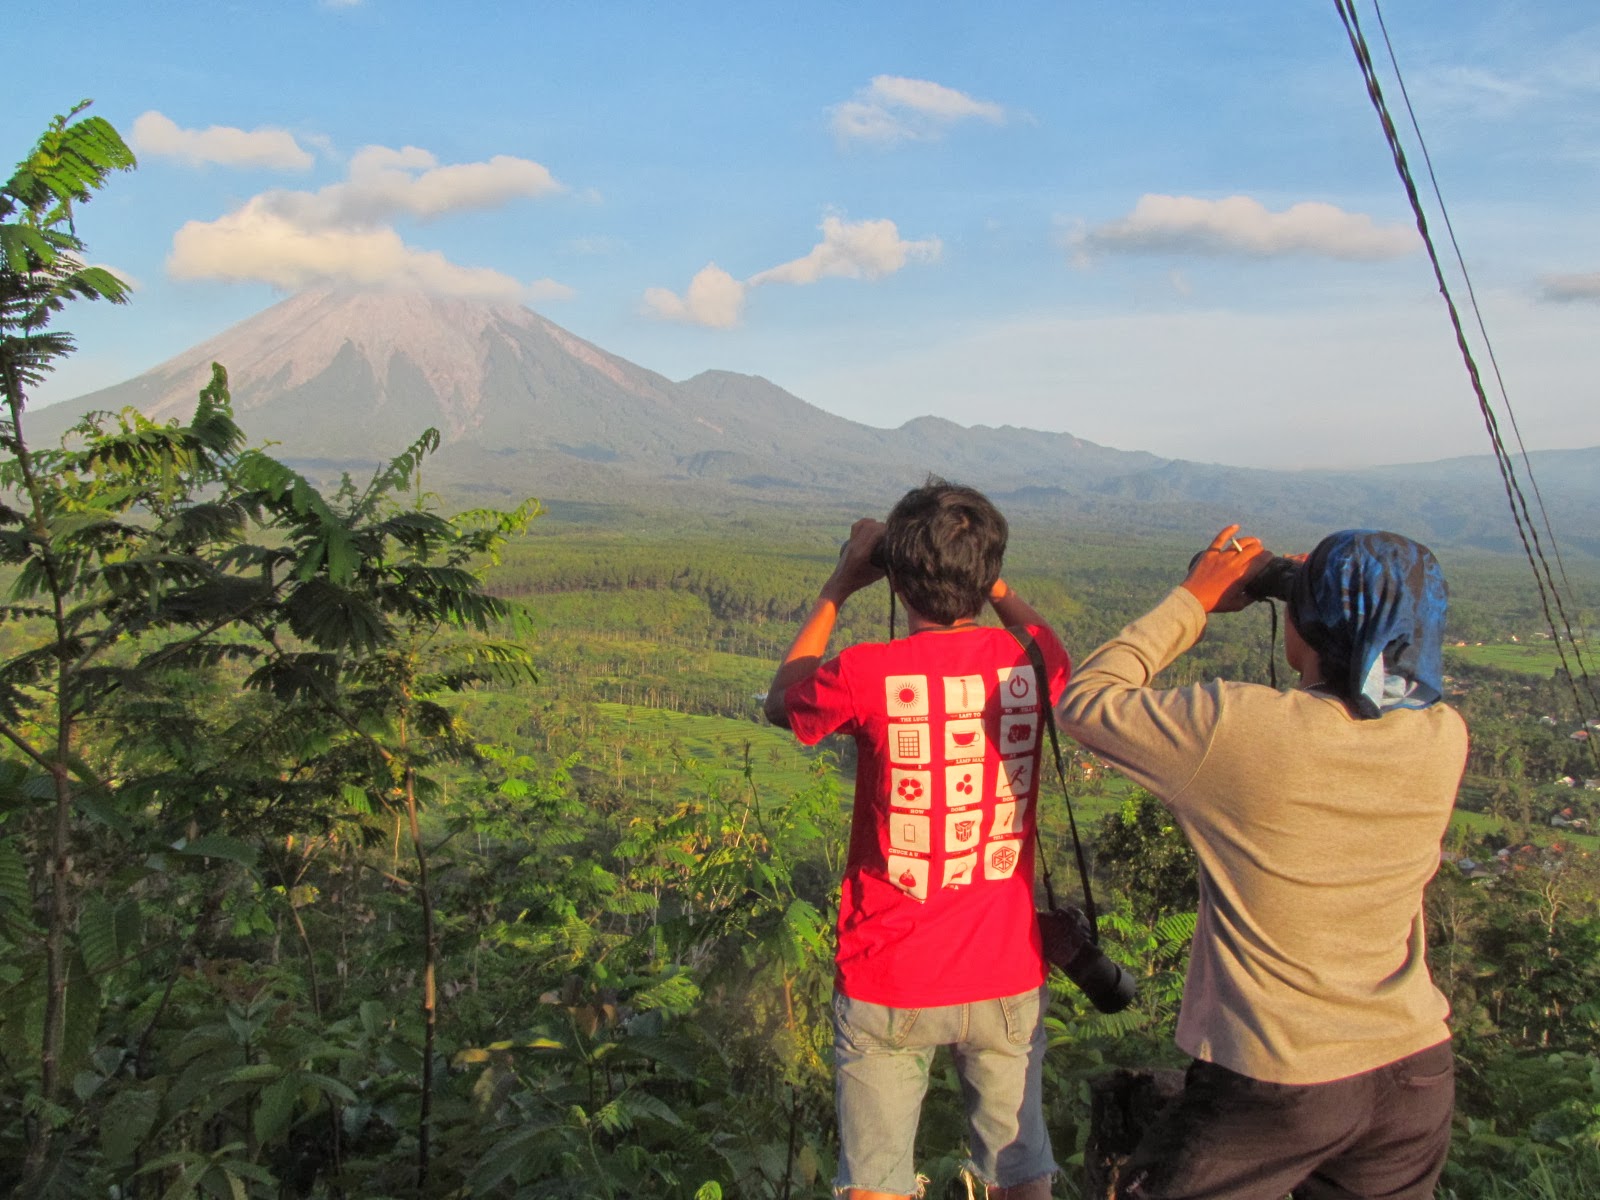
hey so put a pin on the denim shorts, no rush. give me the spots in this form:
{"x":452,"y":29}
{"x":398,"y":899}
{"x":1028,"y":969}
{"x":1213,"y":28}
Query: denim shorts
{"x":882,"y":1056}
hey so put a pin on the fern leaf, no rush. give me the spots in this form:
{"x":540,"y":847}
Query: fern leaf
{"x":1176,"y":929}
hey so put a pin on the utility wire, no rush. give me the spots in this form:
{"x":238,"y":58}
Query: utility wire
{"x":1527,"y":533}
{"x":1472,"y":296}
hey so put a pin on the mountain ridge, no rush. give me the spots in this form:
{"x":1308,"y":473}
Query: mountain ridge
{"x":343,"y":380}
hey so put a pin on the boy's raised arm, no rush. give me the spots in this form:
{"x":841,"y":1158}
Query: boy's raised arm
{"x":853,"y":572}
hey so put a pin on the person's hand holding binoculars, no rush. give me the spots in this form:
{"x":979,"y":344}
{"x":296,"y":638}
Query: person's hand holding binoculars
{"x":1217,"y":574}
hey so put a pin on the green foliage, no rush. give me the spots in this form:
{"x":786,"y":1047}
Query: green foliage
{"x":1145,"y":855}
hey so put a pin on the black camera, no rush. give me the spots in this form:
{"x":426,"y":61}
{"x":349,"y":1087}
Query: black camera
{"x":1068,"y":942}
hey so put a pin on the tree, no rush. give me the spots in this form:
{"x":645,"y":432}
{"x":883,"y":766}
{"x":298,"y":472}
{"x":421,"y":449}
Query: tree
{"x":153,"y":562}
{"x":40,"y":272}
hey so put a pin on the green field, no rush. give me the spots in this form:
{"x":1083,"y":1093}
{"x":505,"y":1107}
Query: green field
{"x":700,"y":753}
{"x":1525,"y":658}
{"x":1480,"y":824}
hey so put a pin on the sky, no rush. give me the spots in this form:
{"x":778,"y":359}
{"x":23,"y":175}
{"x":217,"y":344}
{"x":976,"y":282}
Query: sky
{"x":1154,"y":225}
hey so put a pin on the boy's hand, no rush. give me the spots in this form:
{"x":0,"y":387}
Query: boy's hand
{"x":854,"y":570}
{"x":1011,"y":608}
{"x":1218,"y":575}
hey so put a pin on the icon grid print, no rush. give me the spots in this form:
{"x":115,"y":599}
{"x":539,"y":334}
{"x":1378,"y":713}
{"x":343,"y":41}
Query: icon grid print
{"x":961,"y":747}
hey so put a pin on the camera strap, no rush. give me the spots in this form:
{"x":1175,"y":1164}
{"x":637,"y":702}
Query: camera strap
{"x":1036,"y":660}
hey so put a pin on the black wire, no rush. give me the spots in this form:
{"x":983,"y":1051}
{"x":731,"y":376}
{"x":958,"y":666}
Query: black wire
{"x":1514,"y":497}
{"x":1472,"y":295}
{"x":1483,"y":332}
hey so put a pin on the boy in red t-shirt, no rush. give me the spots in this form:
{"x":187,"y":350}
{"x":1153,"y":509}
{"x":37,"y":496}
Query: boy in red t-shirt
{"x":938,"y":943}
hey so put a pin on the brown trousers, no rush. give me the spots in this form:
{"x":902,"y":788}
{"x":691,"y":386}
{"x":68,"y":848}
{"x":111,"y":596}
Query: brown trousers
{"x":1380,"y":1135}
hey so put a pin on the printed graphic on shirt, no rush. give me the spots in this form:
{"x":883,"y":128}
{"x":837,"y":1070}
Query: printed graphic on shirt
{"x":958,"y":871}
{"x":1000,"y":859}
{"x":1009,"y":816}
{"x":1018,"y":687}
{"x":964,"y":739}
{"x":1018,"y":732}
{"x":1015,"y":778}
{"x":910,"y":832}
{"x":910,"y":789}
{"x":963,"y":693}
{"x":961,"y":830}
{"x":963,"y":784}
{"x":910,"y":875}
{"x":943,"y":729}
{"x":906,"y":695}
{"x":908,"y":744}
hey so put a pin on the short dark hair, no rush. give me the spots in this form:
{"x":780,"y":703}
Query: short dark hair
{"x":942,"y":546}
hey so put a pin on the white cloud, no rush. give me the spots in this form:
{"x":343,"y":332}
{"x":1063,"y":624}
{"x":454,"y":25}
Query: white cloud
{"x":1571,"y":287}
{"x":1241,"y":227}
{"x":159,"y":135}
{"x":714,"y":299}
{"x":893,"y":108}
{"x":863,"y":249}
{"x":933,"y":99}
{"x":384,"y":183}
{"x":255,"y":244}
{"x":858,"y":250}
{"x":380,"y":182}
{"x":857,"y":120}
{"x":342,"y":233}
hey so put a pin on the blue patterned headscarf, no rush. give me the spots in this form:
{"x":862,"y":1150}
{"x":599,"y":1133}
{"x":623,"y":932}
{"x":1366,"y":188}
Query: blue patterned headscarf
{"x":1372,"y":604}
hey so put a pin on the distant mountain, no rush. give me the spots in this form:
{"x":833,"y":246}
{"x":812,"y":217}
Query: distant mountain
{"x":343,"y":380}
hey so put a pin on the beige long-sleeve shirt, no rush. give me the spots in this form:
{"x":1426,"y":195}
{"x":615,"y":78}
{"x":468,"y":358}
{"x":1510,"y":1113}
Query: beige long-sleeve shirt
{"x":1316,"y":833}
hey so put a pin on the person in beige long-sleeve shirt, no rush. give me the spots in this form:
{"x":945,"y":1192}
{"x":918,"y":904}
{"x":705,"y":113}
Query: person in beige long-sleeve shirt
{"x":1322,"y":1058}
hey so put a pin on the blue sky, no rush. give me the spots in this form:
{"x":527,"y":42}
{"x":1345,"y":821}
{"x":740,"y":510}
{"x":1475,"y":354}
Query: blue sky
{"x":1155,"y":225}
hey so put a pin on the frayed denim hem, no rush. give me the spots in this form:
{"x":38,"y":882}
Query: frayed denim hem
{"x":843,"y":1190}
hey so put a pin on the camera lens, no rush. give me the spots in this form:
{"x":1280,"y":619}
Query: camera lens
{"x":1109,"y":985}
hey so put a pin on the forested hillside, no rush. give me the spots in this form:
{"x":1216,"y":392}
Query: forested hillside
{"x":352,"y":849}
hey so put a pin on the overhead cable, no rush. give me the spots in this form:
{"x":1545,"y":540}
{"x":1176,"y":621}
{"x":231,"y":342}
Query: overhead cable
{"x":1549,"y":594}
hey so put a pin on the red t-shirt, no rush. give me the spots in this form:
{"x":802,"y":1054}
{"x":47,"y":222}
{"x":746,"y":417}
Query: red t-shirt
{"x":938,"y":891}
